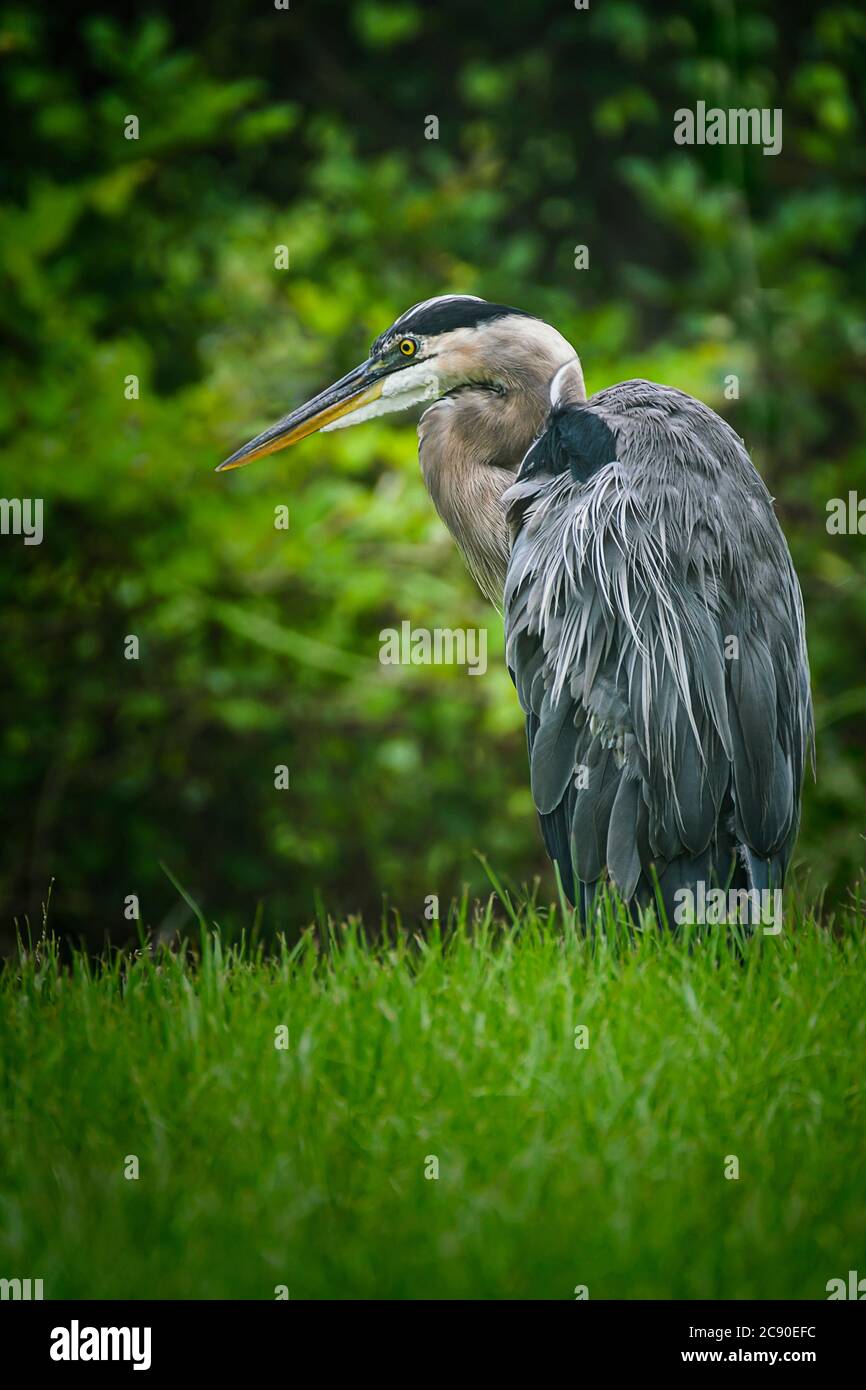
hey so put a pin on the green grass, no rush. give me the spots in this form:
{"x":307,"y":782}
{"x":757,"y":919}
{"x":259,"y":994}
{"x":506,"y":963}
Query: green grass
{"x":557,"y":1166}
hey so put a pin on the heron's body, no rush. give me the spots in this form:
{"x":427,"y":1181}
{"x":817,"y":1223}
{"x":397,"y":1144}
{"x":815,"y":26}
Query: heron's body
{"x":655,"y":634}
{"x":653,"y":618}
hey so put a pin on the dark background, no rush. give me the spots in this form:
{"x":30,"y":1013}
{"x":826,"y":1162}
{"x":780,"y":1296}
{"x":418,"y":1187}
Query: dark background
{"x":260,"y":647}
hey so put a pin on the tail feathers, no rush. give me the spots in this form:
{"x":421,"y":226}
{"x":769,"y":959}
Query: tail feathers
{"x":613,"y":845}
{"x":680,"y":890}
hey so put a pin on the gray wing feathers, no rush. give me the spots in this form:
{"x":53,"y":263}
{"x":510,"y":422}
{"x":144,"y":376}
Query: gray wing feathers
{"x":655,"y":635}
{"x":552,"y":763}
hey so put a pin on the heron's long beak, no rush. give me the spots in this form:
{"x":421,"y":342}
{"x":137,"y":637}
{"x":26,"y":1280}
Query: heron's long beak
{"x":357,"y":389}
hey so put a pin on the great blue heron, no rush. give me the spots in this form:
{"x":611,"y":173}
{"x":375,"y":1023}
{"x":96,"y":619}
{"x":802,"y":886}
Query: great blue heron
{"x":654,"y":622}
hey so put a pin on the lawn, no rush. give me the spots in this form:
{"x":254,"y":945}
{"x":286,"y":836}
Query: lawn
{"x":288,"y":1113}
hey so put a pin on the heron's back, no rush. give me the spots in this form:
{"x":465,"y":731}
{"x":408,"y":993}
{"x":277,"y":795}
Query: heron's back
{"x":655,"y":634}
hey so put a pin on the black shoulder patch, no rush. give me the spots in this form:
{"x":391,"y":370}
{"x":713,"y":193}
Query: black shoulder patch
{"x":441,"y":315}
{"x":575,"y":440}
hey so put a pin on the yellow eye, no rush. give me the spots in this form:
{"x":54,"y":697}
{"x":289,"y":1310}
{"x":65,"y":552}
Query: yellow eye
{"x":408,"y":346}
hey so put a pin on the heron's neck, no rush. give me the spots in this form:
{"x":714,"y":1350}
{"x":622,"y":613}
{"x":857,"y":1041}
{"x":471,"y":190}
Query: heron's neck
{"x":472,"y":444}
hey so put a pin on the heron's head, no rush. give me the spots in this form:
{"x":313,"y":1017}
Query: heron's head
{"x":434,"y":348}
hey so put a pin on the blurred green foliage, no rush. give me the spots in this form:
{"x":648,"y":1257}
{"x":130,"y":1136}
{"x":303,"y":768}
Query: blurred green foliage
{"x":155,"y":257}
